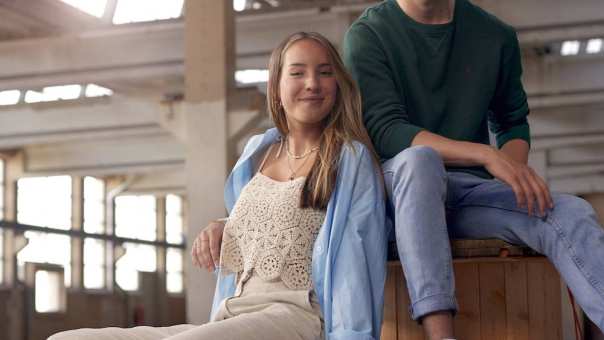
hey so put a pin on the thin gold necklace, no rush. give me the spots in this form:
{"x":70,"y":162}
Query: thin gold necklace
{"x":303,"y":155}
{"x":293,"y":172}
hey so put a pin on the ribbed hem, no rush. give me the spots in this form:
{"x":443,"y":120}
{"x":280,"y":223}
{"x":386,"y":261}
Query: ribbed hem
{"x":516,"y":132}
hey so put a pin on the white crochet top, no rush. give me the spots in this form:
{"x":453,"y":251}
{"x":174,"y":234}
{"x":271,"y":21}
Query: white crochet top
{"x":270,"y":235}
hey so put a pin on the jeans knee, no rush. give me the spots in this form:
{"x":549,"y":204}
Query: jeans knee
{"x":418,"y":161}
{"x":573,"y":206}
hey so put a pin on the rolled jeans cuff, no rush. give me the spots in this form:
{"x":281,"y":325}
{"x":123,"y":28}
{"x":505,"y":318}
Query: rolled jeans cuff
{"x":431,"y":304}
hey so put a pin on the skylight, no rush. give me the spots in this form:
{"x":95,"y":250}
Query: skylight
{"x":92,"y":7}
{"x":129,"y":11}
{"x":93,"y":90}
{"x":53,"y":93}
{"x":593,"y":46}
{"x":570,"y":47}
{"x":10,"y":97}
{"x":251,"y":76}
{"x":239,"y":5}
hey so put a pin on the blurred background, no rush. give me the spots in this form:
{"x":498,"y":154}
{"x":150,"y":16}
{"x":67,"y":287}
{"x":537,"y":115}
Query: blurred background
{"x":120,"y":119}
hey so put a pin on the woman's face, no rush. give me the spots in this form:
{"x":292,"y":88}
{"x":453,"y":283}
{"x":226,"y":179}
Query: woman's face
{"x":308,"y":84}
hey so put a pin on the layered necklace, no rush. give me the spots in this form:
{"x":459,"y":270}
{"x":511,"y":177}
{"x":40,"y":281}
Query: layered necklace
{"x":291,"y":156}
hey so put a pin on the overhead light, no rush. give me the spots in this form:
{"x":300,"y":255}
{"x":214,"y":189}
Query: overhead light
{"x":93,"y":90}
{"x":128,"y":11}
{"x":593,"y":46}
{"x":570,"y":47}
{"x":251,"y":76}
{"x":10,"y":97}
{"x":92,"y":7}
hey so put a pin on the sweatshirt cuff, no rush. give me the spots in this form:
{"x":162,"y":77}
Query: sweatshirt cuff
{"x":396,"y":139}
{"x":516,"y":132}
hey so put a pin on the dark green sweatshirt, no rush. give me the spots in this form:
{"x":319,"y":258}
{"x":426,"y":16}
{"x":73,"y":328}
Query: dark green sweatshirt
{"x":451,"y":79}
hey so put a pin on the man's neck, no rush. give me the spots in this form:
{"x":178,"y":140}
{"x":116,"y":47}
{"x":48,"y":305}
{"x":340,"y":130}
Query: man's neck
{"x":428,"y":11}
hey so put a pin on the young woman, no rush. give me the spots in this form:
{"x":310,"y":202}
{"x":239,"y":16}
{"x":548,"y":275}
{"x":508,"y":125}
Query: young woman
{"x":303,"y":252}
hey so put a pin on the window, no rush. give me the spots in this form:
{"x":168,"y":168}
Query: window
{"x":94,"y":223}
{"x":174,"y":218}
{"x":128,"y":11}
{"x":174,"y":235}
{"x":138,"y":257}
{"x":46,"y":248}
{"x":94,"y":264}
{"x":94,"y":205}
{"x":49,"y":292}
{"x":174,"y":270}
{"x":135,"y":217}
{"x":45,"y":202}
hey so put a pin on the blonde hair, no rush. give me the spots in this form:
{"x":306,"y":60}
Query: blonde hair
{"x":342,"y":125}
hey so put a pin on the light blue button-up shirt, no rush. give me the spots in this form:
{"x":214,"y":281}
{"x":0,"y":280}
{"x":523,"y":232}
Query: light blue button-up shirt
{"x":349,"y":254}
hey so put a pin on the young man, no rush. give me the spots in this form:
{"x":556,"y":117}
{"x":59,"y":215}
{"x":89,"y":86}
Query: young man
{"x":433,"y":75}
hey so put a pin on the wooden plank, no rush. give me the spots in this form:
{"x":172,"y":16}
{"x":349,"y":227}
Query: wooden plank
{"x":553,"y":303}
{"x":407,"y":328}
{"x":468,"y":315}
{"x":516,"y":301}
{"x":536,"y":300}
{"x":389,"y":328}
{"x":492,"y":301}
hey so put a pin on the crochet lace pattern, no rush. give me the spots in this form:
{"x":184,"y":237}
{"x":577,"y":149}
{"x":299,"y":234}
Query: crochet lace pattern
{"x":269,"y":233}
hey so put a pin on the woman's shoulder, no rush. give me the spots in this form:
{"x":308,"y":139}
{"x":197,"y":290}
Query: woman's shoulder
{"x":356,"y":150}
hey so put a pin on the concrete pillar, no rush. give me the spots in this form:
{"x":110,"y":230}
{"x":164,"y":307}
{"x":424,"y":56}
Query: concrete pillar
{"x":77,"y":223}
{"x":15,"y":323}
{"x":14,"y":170}
{"x":209,"y":55}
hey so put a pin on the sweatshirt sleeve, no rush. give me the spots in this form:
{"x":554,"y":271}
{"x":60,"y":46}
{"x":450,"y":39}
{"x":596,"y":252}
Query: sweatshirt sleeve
{"x":509,"y":107}
{"x":384,"y":111}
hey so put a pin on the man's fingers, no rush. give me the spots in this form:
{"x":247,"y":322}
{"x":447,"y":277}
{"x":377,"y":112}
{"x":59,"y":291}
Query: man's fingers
{"x":543,"y":191}
{"x":518,"y":192}
{"x":537,"y":190}
{"x":528,"y":193}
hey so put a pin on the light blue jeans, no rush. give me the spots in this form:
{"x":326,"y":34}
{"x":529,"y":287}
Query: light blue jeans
{"x":430,"y":205}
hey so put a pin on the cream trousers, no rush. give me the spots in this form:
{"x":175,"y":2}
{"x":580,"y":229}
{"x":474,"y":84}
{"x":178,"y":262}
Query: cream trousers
{"x":264,"y":311}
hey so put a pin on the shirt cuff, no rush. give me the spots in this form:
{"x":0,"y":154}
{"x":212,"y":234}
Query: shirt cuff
{"x":516,"y":132}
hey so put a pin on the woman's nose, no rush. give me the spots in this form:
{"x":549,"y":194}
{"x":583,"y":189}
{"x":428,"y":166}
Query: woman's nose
{"x":312,"y":84}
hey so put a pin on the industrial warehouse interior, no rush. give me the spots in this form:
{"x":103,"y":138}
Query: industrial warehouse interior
{"x":120,"y":121}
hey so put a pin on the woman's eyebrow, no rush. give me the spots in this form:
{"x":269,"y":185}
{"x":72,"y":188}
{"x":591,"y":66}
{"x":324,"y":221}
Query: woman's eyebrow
{"x":303,"y":64}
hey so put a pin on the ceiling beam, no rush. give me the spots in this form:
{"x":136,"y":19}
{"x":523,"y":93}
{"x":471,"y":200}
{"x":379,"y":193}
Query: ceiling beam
{"x":115,"y":155}
{"x":100,"y":56}
{"x":78,"y":119}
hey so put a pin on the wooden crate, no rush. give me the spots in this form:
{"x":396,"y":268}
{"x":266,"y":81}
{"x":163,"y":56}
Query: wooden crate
{"x":500,"y":298}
